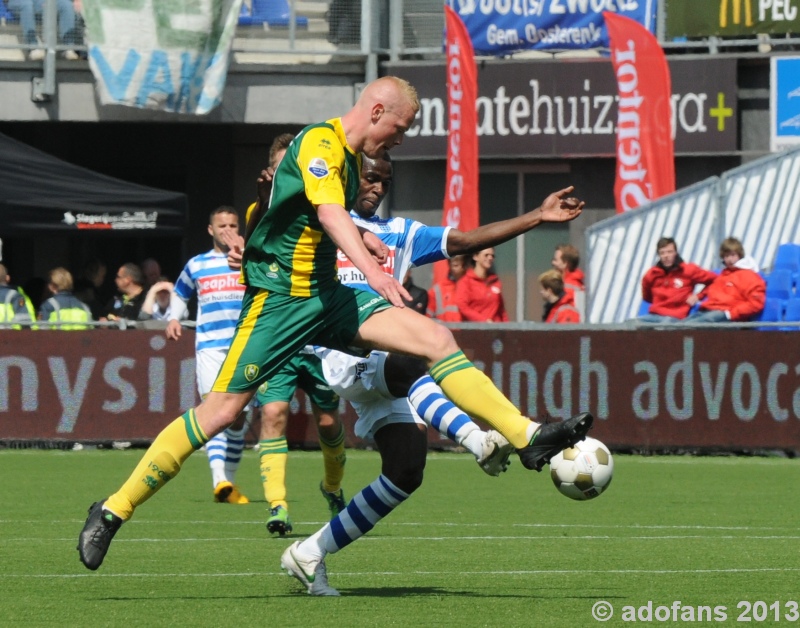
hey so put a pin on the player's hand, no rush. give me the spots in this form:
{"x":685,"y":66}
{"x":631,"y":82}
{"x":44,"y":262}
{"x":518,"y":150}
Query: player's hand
{"x":235,"y":244}
{"x":173,"y":331}
{"x":376,"y":246}
{"x":389,"y":288}
{"x":264,"y":183}
{"x":560,"y":207}
{"x":692,"y":299}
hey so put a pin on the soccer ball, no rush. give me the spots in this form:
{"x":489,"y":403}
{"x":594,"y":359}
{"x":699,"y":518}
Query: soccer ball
{"x":583,"y":471}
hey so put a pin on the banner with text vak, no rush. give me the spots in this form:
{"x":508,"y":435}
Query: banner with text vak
{"x":170,"y":56}
{"x":499,"y":27}
{"x":461,"y":206}
{"x":645,"y":152}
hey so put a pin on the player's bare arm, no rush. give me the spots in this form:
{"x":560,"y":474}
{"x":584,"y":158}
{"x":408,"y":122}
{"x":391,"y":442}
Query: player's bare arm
{"x":376,"y":246}
{"x":557,"y":207}
{"x":339,"y":226}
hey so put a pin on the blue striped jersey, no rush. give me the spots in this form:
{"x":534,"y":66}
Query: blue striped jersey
{"x":219,"y":298}
{"x":410,"y":244}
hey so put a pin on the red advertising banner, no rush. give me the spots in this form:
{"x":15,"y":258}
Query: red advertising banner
{"x":645,"y":153}
{"x":461,"y":210}
{"x":649,"y":390}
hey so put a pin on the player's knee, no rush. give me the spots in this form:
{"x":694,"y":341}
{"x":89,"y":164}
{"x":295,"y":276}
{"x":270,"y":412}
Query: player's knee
{"x":407,"y":477}
{"x":441,"y":343}
{"x":401,"y":371}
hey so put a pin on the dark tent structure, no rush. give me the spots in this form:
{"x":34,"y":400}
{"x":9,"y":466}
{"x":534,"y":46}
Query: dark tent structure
{"x":40,"y":193}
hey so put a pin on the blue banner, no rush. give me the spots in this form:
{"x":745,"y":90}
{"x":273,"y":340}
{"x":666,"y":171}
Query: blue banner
{"x":499,"y":27}
{"x":785,"y":102}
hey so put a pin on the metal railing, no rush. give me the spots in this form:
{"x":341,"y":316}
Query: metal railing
{"x":321,"y":31}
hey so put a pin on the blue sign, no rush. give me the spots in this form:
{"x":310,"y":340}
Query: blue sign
{"x":785,"y":101}
{"x":499,"y":27}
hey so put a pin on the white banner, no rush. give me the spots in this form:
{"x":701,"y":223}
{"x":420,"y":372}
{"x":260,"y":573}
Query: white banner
{"x":170,"y":55}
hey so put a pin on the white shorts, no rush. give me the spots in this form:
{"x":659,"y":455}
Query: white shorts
{"x":207,"y":365}
{"x":361,"y":381}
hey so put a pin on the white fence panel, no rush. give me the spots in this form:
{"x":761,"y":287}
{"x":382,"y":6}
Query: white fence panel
{"x":758,"y":203}
{"x":622,"y":248}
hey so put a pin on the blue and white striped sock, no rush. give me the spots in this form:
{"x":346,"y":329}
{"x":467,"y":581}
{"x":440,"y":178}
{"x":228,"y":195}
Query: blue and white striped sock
{"x":233,"y":451}
{"x":442,"y":415}
{"x":215,"y":450}
{"x":363,"y":512}
{"x":224,"y":455}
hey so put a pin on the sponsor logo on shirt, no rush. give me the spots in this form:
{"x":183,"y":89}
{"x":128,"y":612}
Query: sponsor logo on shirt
{"x":318,"y":167}
{"x":273,"y":270}
{"x":348,"y":269}
{"x":219,"y":283}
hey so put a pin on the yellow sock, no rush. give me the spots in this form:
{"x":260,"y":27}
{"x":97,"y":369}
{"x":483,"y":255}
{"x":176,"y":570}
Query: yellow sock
{"x":334,"y":457}
{"x":273,"y":454}
{"x":476,"y":395}
{"x":160,"y":463}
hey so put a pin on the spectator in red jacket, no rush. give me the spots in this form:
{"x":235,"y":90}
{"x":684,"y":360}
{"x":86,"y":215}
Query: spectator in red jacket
{"x":565,"y":260}
{"x":559,"y":304}
{"x":670,"y":285}
{"x":479,"y":293}
{"x":737,"y":294}
{"x":442,"y":295}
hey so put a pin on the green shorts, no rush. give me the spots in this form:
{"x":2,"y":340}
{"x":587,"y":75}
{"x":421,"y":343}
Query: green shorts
{"x":304,"y":371}
{"x":273,"y":328}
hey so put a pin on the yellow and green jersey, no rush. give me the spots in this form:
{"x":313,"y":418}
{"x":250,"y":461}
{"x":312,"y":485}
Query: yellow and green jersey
{"x":289,"y":252}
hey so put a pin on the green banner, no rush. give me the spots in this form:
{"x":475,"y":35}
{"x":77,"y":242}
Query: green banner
{"x":731,"y":18}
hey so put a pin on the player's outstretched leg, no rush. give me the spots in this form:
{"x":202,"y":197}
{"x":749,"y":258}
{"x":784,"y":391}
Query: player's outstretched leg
{"x":160,"y":463}
{"x":491,"y":449}
{"x":306,"y":560}
{"x":475,"y":393}
{"x":403,"y":448}
{"x":551,"y":438}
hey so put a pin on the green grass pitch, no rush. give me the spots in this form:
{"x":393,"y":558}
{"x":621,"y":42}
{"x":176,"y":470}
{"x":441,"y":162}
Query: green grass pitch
{"x":466,"y":550}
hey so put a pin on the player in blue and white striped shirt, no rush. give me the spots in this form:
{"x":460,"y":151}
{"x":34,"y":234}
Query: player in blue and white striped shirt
{"x":219,"y":301}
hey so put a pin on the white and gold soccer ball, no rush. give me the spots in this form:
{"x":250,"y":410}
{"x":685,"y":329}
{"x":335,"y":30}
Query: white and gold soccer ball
{"x":583,"y":471}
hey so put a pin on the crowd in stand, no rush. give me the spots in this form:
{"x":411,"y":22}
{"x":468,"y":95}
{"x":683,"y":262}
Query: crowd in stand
{"x":472,"y":291}
{"x":673,"y":291}
{"x":679,"y":291}
{"x":62,"y":302}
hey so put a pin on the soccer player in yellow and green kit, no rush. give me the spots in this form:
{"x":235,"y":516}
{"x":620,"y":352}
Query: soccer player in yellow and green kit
{"x":293,"y":298}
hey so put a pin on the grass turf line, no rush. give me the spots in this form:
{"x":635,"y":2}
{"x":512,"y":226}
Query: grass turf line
{"x":465,"y":550}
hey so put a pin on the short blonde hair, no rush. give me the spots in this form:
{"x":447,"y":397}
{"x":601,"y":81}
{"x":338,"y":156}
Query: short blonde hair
{"x":552,"y":280}
{"x":61,"y":279}
{"x":408,"y":90}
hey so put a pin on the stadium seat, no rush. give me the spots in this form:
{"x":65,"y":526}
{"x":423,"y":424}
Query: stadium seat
{"x":779,"y":284}
{"x":772,"y":313}
{"x":788,"y":256}
{"x":792,"y":313}
{"x":644,"y":308}
{"x":5,"y":14}
{"x":275,"y":13}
